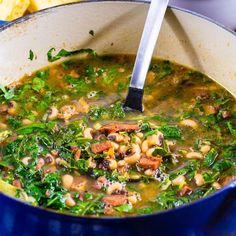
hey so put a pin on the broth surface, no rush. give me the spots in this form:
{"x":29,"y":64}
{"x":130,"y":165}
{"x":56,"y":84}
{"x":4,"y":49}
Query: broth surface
{"x":67,"y":144}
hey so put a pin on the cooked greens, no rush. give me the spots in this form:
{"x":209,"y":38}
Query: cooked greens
{"x":67,"y":144}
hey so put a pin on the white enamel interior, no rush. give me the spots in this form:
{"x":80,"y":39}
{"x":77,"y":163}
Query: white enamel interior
{"x":185,"y":38}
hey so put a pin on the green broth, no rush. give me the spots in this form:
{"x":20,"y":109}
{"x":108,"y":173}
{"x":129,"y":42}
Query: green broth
{"x":55,"y":152}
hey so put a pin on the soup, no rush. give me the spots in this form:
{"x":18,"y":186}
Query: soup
{"x":67,"y":144}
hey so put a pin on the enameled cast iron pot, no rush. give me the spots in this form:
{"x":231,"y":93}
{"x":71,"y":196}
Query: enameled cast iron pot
{"x":185,"y":38}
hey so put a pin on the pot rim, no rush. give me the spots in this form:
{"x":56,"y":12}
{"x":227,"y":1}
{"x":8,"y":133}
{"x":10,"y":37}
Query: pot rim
{"x":49,"y":9}
{"x":67,"y":217}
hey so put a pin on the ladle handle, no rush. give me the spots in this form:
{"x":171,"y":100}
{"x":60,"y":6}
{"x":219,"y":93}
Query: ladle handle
{"x":148,"y":41}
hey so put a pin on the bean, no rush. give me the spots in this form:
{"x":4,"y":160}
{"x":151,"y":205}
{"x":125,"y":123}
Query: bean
{"x":133,"y":199}
{"x":112,"y":164}
{"x":189,"y":123}
{"x":70,"y":202}
{"x":114,"y":187}
{"x":40,"y":164}
{"x":134,"y":156}
{"x":116,"y":137}
{"x":53,"y":113}
{"x":179,"y":180}
{"x":149,"y":152}
{"x":49,"y":160}
{"x":121,"y":163}
{"x":148,"y":172}
{"x":140,"y":135}
{"x":199,"y":179}
{"x":145,"y":146}
{"x":67,"y":181}
{"x":123,"y":149}
{"x":194,"y":155}
{"x":26,"y":122}
{"x":205,"y":149}
{"x":88,"y":133}
{"x":26,"y":160}
{"x":216,"y":185}
{"x":12,"y":108}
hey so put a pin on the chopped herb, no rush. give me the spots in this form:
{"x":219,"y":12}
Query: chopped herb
{"x":65,"y":53}
{"x":210,"y":157}
{"x":31,"y":55}
{"x":8,"y":94}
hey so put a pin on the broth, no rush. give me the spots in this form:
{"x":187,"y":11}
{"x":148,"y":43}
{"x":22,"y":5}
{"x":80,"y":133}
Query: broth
{"x":67,"y":144}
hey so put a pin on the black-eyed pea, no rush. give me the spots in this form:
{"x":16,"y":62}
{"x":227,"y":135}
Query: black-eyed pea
{"x":26,"y":160}
{"x":70,"y":202}
{"x":144,"y":146}
{"x":199,"y":180}
{"x":194,"y":155}
{"x":116,"y":137}
{"x":149,"y":152}
{"x":134,"y":176}
{"x":91,"y":163}
{"x":114,"y":187}
{"x":132,"y":159}
{"x":205,"y":149}
{"x":12,"y":108}
{"x":189,"y":123}
{"x":155,"y":139}
{"x":132,"y":199}
{"x":112,"y":164}
{"x":49,"y":160}
{"x":53,"y":113}
{"x":27,"y":121}
{"x":88,"y":133}
{"x":216,"y":185}
{"x":138,"y":140}
{"x":148,"y":172}
{"x":140,"y":135}
{"x":115,"y":145}
{"x":179,"y":180}
{"x":123,"y":149}
{"x":67,"y":181}
{"x":40,"y":164}
{"x":152,"y":140}
{"x":121,"y":163}
{"x":134,"y":156}
{"x":121,"y":70}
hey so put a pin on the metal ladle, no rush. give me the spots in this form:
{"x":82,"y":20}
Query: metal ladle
{"x":150,"y":34}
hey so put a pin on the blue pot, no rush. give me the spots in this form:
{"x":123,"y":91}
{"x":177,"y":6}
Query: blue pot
{"x":118,"y":26}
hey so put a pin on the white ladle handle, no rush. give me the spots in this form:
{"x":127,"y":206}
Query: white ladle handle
{"x":148,"y":41}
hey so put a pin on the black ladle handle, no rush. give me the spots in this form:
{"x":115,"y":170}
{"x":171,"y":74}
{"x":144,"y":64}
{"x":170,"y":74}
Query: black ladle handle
{"x":147,"y":44}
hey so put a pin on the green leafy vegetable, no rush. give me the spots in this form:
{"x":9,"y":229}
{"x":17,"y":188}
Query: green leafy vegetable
{"x":126,"y":208}
{"x":31,"y":55}
{"x":222,"y":165}
{"x":65,"y":53}
{"x":210,"y":157}
{"x":14,"y":122}
{"x":231,"y":129}
{"x":171,"y":132}
{"x":38,"y":84}
{"x":8,"y":94}
{"x":162,"y":70}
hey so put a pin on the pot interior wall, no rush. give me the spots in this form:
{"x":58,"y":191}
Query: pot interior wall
{"x":185,"y":38}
